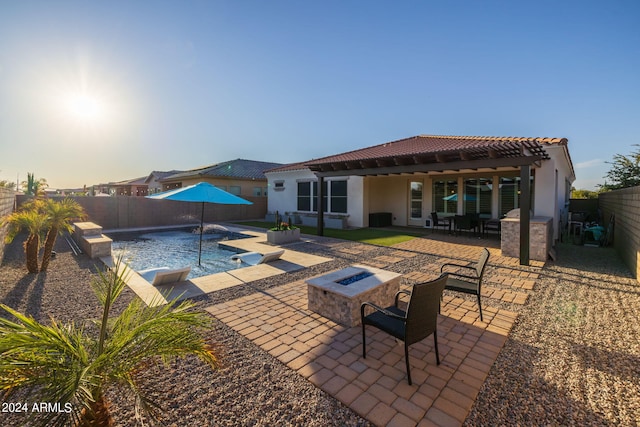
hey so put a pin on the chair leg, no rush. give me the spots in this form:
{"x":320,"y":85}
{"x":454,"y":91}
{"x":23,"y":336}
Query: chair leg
{"x":406,"y":356}
{"x":480,"y":308}
{"x":364,"y":345}
{"x":435,"y":346}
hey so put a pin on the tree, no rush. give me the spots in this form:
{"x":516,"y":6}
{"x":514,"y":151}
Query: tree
{"x":59,"y":215}
{"x":625,"y":171}
{"x":7,"y":184}
{"x":33,"y":187}
{"x":583,"y":194}
{"x":65,"y":363}
{"x":33,"y":221}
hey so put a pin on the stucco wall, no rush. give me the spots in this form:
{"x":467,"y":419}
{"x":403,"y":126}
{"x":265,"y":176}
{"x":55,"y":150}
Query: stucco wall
{"x":7,"y":200}
{"x":625,"y":204}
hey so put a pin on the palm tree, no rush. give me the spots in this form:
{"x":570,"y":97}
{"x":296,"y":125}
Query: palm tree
{"x":59,"y":214}
{"x":64,"y":363}
{"x":34,"y":222}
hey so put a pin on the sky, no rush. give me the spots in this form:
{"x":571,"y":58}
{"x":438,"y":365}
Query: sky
{"x":93,"y":92}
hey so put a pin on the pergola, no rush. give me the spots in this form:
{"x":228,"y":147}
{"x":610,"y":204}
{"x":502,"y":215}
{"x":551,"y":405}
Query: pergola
{"x":425,"y":153}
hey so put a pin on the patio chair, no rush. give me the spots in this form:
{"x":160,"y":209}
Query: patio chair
{"x":467,"y":283}
{"x":255,"y":258}
{"x":440,"y":222}
{"x":491,"y":225}
{"x":165,"y":275}
{"x":416,"y":323}
{"x":465,"y":222}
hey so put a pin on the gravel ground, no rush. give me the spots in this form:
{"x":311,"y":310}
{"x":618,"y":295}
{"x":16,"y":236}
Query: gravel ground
{"x":571,"y":359}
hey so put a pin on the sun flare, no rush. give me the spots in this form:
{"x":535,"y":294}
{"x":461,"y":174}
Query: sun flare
{"x":84,"y":108}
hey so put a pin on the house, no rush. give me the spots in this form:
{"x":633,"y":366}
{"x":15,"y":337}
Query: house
{"x":153,"y":180}
{"x":240,"y":177}
{"x":412,"y":177}
{"x":129,"y":187}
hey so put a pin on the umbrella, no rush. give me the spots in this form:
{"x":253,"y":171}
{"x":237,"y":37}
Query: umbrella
{"x":202,"y":192}
{"x":454,"y":198}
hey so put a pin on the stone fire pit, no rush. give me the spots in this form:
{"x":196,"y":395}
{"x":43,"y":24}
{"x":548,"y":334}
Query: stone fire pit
{"x":338,"y":295}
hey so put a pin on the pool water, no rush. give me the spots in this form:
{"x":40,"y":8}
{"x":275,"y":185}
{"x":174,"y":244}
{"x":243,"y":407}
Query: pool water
{"x":174,"y":249}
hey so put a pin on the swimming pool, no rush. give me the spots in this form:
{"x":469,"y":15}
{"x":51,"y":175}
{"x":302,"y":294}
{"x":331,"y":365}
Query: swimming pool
{"x":175,"y":249}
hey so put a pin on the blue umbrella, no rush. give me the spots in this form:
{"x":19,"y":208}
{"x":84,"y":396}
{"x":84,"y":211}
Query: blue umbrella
{"x":202,"y":192}
{"x":454,"y":198}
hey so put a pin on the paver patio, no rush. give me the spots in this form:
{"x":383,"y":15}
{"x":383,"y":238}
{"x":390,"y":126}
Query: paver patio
{"x":330,"y":355}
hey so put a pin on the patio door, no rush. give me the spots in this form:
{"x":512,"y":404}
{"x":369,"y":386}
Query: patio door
{"x":415,"y":204}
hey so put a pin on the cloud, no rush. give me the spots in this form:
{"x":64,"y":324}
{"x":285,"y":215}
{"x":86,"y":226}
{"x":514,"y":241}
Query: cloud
{"x":589,"y":164}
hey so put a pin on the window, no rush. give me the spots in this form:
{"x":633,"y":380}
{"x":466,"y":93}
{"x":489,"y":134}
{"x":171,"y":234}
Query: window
{"x":335,"y":202}
{"x":445,"y":196}
{"x":278,"y":185}
{"x":234,"y":189}
{"x":339,"y":196}
{"x":304,"y":196}
{"x":257,"y":191}
{"x":510,"y":193}
{"x":477,"y":195}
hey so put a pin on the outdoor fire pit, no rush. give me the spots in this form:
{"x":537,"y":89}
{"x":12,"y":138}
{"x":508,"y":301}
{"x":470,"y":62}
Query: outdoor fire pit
{"x":339,"y":294}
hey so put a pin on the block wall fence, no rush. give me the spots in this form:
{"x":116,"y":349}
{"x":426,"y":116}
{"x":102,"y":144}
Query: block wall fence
{"x":133,"y":212}
{"x":625,"y":205}
{"x":7,"y":201}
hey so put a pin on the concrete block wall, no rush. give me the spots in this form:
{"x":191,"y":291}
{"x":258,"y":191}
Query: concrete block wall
{"x":625,"y":205}
{"x":132,"y":212}
{"x":7,"y":202}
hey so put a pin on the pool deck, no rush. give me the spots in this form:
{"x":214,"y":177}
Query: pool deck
{"x":291,"y":260}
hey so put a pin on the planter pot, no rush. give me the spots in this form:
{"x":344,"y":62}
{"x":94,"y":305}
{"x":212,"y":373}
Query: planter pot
{"x":283,"y":236}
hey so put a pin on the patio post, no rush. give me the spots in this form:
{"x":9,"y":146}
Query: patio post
{"x":320,"y":196}
{"x":525,"y":206}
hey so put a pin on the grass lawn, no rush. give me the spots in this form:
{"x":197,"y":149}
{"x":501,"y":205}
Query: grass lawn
{"x":374,"y":236}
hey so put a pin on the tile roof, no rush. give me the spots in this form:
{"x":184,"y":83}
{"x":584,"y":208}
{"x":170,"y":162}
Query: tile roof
{"x":238,"y":168}
{"x":158,"y":175}
{"x":426,"y":146}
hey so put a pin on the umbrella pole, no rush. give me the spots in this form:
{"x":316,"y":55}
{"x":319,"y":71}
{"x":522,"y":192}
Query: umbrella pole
{"x":201,"y":227}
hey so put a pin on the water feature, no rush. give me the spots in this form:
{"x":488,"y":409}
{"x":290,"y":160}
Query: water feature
{"x":176,"y":249}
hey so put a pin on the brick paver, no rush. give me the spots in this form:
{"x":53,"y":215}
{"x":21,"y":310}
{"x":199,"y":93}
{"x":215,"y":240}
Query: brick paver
{"x":330,"y":355}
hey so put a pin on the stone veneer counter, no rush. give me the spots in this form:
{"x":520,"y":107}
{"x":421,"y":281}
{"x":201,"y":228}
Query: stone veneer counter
{"x":341,"y":303}
{"x":540,"y":237}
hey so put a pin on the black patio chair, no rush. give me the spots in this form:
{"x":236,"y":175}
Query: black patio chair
{"x":467,"y":283}
{"x":416,"y":323}
{"x":491,"y":225}
{"x":440,"y":222}
{"x":466,"y":223}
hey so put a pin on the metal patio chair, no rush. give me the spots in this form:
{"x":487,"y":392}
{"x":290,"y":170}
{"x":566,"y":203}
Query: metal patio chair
{"x":470,"y":283}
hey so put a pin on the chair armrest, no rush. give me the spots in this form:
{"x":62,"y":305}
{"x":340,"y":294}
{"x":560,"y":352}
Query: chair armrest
{"x":402,"y":291}
{"x":465,"y":276}
{"x":449,"y":264}
{"x":381,"y":310}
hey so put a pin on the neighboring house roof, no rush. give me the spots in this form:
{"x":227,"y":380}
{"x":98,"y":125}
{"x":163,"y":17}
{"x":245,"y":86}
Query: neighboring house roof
{"x":158,"y":175}
{"x":134,"y":181}
{"x":239,"y":168}
{"x":431,"y":149}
